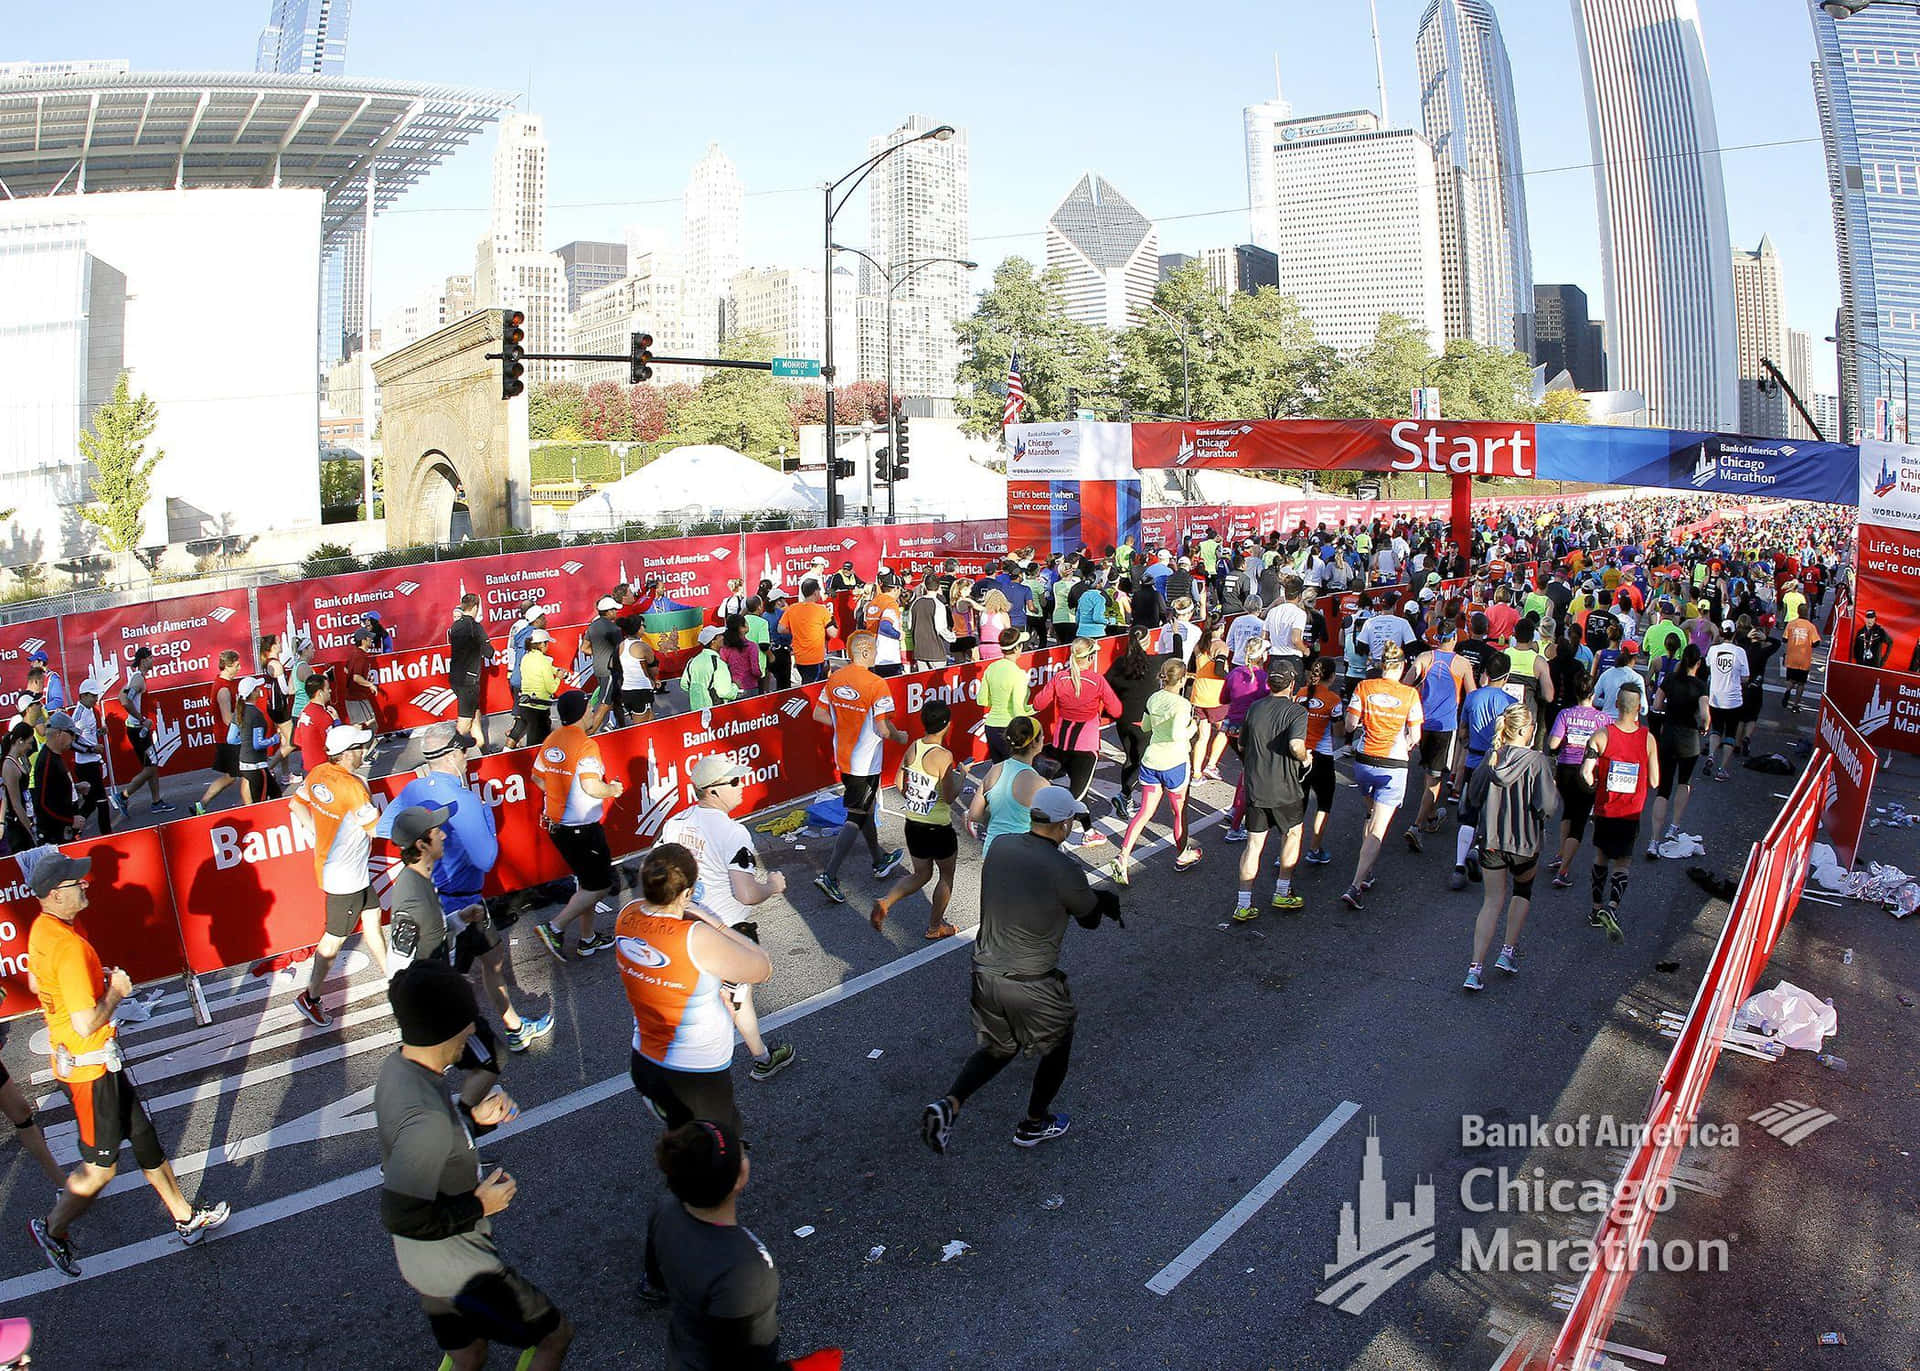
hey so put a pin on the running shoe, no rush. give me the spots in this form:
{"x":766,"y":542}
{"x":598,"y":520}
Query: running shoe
{"x":1289,"y":903}
{"x":554,"y":940}
{"x":1413,"y":840}
{"x":594,"y":942}
{"x":889,"y":864}
{"x":829,"y":887}
{"x":1029,"y":1134}
{"x":1597,"y":919}
{"x":1653,"y":852}
{"x":778,"y":1060}
{"x":1117,"y":871}
{"x":1212,"y":773}
{"x":1473,"y":867}
{"x":936,"y":1124}
{"x":530,"y":1029}
{"x":163,"y":807}
{"x":311,"y":1009}
{"x":1319,"y":856}
{"x":1245,"y":913}
{"x":940,"y":931}
{"x":1235,"y":834}
{"x":1457,"y":878}
{"x":198,"y":808}
{"x":1187,"y":860}
{"x":1507,"y":960}
{"x":119,"y":798}
{"x":1350,"y":897}
{"x":1473,"y":981}
{"x":1722,"y":774}
{"x":1610,"y":920}
{"x":1562,"y":881}
{"x":1123,"y":806}
{"x":59,"y":1254}
{"x":1093,"y":837}
{"x":203,"y":1220}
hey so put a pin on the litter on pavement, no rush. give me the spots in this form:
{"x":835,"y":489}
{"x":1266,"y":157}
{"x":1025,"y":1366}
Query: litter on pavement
{"x":1791,"y":1016}
{"x":954,"y":1249}
{"x":805,"y":1230}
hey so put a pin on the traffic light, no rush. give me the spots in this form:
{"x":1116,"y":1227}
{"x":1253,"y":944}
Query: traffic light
{"x":640,"y":364}
{"x":1073,"y":402}
{"x":883,"y":465}
{"x":843,"y":468}
{"x":513,"y":353}
{"x":899,"y":464}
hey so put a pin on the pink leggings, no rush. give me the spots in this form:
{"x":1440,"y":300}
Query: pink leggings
{"x":1149,"y":802}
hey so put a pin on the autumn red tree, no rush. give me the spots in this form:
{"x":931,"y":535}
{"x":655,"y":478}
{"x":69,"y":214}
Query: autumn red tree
{"x":648,"y":406}
{"x":605,"y":414}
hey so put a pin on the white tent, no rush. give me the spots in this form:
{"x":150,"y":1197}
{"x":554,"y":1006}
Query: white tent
{"x":949,"y":477}
{"x":706,"y":481}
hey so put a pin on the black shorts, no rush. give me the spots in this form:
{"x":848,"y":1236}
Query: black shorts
{"x":1519,"y":863}
{"x":141,"y":741}
{"x":496,"y":1306}
{"x":1322,"y":780}
{"x":1277,"y":818}
{"x":226,"y":759}
{"x":108,"y":1112}
{"x":467,"y":700}
{"x":472,"y":942}
{"x":1725,"y":720}
{"x":584,"y":849}
{"x":931,"y":842}
{"x":1576,"y":798}
{"x":1012,"y":1016}
{"x":682,"y":1096}
{"x":997,"y":749}
{"x":860,"y":793}
{"x":1614,"y":838}
{"x":343,"y":911}
{"x":1750,"y":706}
{"x":1674,"y":769}
{"x":1436,"y":750}
{"x":637,"y":701}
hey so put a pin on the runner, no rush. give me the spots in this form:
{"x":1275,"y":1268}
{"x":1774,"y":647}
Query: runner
{"x":809,"y":622}
{"x":1386,"y":716}
{"x":139,"y":730}
{"x":434,"y":1199}
{"x":1445,"y":677}
{"x":707,"y":678}
{"x":1622,"y":769}
{"x":1529,"y":670}
{"x":16,"y":787}
{"x":1801,"y":639}
{"x":1207,"y":691}
{"x":226,"y":751}
{"x":471,"y":847}
{"x":1004,"y":690}
{"x":89,"y":757}
{"x":361,"y":687}
{"x":1479,"y":719}
{"x":1246,"y":685}
{"x":1020,"y":1000}
{"x":1134,"y":678}
{"x":1165,"y":768}
{"x":1274,"y":761}
{"x":1575,"y":724}
{"x":532,"y":619}
{"x":310,"y":729}
{"x":57,"y":797}
{"x":718,"y":1277}
{"x":929,"y":784}
{"x":77,"y":997}
{"x":539,"y":685}
{"x":332,"y":810}
{"x":881,"y":617}
{"x":858,"y":706}
{"x":1682,"y":705}
{"x":467,"y":653}
{"x":1326,"y":728}
{"x":258,"y":740}
{"x":672,"y":964}
{"x":575,"y":790}
{"x":601,"y":643}
{"x":638,"y":663}
{"x":731,"y":884}
{"x":1078,"y":699}
{"x":1726,"y":674}
{"x":1512,"y":792}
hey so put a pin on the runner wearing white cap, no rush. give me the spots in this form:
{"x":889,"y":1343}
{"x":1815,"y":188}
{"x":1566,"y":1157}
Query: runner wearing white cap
{"x":333,"y":810}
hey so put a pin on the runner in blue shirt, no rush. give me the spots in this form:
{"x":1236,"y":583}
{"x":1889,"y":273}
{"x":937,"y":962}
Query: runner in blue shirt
{"x":1479,"y":716}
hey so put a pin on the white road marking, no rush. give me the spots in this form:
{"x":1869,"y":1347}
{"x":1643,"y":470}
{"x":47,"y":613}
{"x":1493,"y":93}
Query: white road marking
{"x":349,"y":1114}
{"x":1252,"y":1202}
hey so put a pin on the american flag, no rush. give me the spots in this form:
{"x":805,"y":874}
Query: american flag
{"x":1016,"y":392}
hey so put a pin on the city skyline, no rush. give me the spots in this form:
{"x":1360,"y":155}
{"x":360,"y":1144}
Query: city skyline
{"x":1187,"y":163}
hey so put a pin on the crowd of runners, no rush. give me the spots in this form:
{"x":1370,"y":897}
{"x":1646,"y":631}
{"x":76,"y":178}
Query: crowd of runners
{"x":1586,"y":664}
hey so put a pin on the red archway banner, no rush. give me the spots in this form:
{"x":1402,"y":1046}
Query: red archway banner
{"x":1405,"y":445}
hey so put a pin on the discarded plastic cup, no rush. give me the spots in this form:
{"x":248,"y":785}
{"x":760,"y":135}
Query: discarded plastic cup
{"x":1831,"y":1062}
{"x":1846,"y":958}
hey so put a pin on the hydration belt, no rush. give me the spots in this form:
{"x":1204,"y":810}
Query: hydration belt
{"x":66,"y":1061}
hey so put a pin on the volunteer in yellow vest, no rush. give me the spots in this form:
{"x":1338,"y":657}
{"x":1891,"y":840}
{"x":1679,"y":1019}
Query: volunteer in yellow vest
{"x":673,"y":963}
{"x":333,"y":809}
{"x":539,"y":683}
{"x":574,"y":791}
{"x":78,"y":997}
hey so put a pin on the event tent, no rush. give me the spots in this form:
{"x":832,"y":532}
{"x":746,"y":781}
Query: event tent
{"x":704,"y":481}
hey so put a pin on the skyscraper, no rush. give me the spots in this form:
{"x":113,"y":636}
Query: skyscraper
{"x":1107,"y":251}
{"x":305,"y":36}
{"x":1242,"y":269}
{"x":917,"y":209}
{"x":1869,"y":107}
{"x":1467,"y":109}
{"x":510,"y":270}
{"x":785,"y":305}
{"x":1663,"y":209}
{"x":1355,"y":225}
{"x":1565,"y":339}
{"x":1262,"y":124}
{"x":1759,"y":306}
{"x":712,"y":247}
{"x":589,"y":266}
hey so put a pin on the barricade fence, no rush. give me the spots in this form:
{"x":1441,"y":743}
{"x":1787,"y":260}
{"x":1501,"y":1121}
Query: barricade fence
{"x":233,"y":888}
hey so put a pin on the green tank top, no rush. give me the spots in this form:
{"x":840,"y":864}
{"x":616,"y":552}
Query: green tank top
{"x":1523,"y":660}
{"x":920,"y":791}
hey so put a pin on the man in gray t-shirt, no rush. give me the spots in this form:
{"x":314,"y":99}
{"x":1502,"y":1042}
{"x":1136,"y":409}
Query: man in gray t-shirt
{"x":1020,"y":1001}
{"x":433,"y":1199}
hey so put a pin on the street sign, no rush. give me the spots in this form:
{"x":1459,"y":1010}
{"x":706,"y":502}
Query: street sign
{"x":795,"y":366}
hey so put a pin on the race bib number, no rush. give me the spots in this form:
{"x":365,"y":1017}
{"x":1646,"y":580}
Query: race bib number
{"x":1623,"y":778}
{"x":1579,"y":735}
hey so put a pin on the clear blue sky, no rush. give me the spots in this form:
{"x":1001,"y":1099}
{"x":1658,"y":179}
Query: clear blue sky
{"x":1148,"y":95}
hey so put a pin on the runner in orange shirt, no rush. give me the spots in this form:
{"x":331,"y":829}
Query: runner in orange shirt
{"x":1386,"y":715}
{"x":858,"y":706}
{"x":809,"y":621}
{"x":78,"y":997}
{"x":333,"y":808}
{"x":574,"y":791}
{"x":1802,"y":638}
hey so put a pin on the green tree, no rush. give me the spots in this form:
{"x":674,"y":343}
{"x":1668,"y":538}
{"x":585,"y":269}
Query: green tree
{"x":1561,"y":407}
{"x":1248,"y":356}
{"x":745,"y":410}
{"x":1483,"y":383}
{"x":1025,"y":308}
{"x":122,"y":472}
{"x":555,"y":409}
{"x":1377,"y":381}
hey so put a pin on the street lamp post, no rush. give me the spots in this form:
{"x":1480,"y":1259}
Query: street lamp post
{"x":1886,"y":360}
{"x":1186,"y":385}
{"x":851,"y":181}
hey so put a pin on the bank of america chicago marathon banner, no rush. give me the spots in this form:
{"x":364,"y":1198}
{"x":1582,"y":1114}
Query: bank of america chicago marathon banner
{"x":1070,"y":485}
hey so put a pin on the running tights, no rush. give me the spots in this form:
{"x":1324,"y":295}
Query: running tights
{"x":1608,"y":890}
{"x":1133,"y":746}
{"x":1078,"y":768}
{"x":851,"y":832}
{"x":1149,"y":801}
{"x":1048,"y":1077}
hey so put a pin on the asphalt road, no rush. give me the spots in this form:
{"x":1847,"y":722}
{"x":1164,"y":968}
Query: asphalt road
{"x":1206,"y":1059}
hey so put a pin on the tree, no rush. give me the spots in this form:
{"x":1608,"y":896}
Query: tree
{"x":1484,"y":383}
{"x":648,"y":405}
{"x":604,"y":414}
{"x":122,"y":472}
{"x":745,"y":410}
{"x":554,"y":410}
{"x":1025,"y":308}
{"x":1561,"y":407}
{"x":1377,"y":381}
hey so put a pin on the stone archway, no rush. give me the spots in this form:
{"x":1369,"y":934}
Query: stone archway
{"x":446,"y":510}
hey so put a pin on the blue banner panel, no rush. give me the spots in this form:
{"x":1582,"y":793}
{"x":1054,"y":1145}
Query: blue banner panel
{"x":1682,"y":459}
